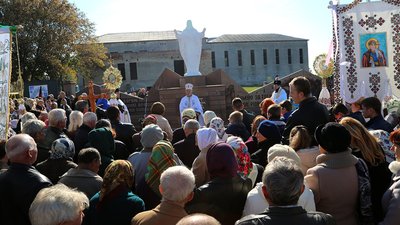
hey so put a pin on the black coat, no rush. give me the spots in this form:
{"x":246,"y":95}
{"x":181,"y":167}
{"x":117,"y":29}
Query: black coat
{"x":124,"y":133}
{"x":81,"y":139}
{"x":187,"y":150}
{"x":178,"y":135}
{"x":18,"y":187}
{"x":260,"y":156}
{"x":379,"y":123}
{"x":291,"y":215}
{"x":238,"y":130}
{"x":247,"y":119}
{"x":222,"y":198}
{"x":310,"y":113}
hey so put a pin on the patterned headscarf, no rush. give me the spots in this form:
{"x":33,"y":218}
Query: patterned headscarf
{"x":119,"y":172}
{"x":62,"y":148}
{"x":218,"y":125}
{"x":162,"y":157}
{"x":245,"y":166}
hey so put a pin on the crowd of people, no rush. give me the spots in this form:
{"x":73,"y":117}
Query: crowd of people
{"x":63,"y":164}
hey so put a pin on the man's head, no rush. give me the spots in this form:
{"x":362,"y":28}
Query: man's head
{"x":236,"y":117}
{"x":157,"y":108}
{"x":61,"y":95}
{"x":188,"y":89}
{"x":90,"y":159}
{"x":177,"y":184}
{"x":82,"y":106}
{"x":286,"y":106}
{"x":274,"y":112}
{"x":21,"y":148}
{"x":300,"y":89}
{"x":277,"y":83}
{"x":371,"y":107}
{"x":339,"y":111}
{"x":58,"y":204}
{"x":198,"y":219}
{"x":372,"y":45}
{"x":191,"y":126}
{"x":113,"y":113}
{"x":237,"y":104}
{"x":43,"y":116}
{"x":57,"y":118}
{"x":282,"y":182}
{"x":35,"y":129}
{"x":90,"y":119}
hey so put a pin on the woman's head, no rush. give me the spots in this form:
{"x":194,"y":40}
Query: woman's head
{"x":242,"y":155}
{"x":395,"y":139}
{"x":75,"y":120}
{"x":119,"y":172}
{"x":256,"y":122}
{"x":62,"y":148}
{"x":221,"y":161}
{"x":299,"y":138}
{"x":363,"y":140}
{"x":333,"y":137}
{"x":218,"y":124}
{"x":206,"y":137}
{"x":265,"y":104}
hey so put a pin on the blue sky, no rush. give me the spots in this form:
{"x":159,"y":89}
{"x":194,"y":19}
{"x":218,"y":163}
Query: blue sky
{"x":309,"y":19}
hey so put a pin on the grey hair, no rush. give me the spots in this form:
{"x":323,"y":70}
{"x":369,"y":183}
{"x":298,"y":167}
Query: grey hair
{"x":177,"y":182}
{"x":198,"y":219}
{"x":192,"y":124}
{"x":75,"y":120}
{"x":19,"y":144}
{"x":57,"y":204}
{"x":89,"y":117}
{"x":33,"y":127}
{"x":56,"y":116}
{"x":27,"y":116}
{"x":283,"y":180}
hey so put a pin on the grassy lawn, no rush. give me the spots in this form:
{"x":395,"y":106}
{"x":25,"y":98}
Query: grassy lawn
{"x":250,"y":88}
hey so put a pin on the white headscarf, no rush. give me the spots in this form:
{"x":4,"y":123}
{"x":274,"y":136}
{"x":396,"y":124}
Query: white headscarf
{"x":206,"y":137}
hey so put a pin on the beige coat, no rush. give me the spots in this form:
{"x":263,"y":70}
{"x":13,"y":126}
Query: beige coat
{"x":308,"y":157}
{"x":334,"y":182}
{"x":163,"y":123}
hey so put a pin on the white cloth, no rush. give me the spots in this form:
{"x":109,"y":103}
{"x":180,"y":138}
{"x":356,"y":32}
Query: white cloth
{"x":352,"y":39}
{"x":124,"y":117}
{"x":256,"y":202}
{"x":279,"y":96}
{"x":194,"y":103}
{"x":205,"y":137}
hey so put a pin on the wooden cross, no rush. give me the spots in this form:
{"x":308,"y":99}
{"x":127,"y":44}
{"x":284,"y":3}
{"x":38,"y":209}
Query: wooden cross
{"x":92,"y":97}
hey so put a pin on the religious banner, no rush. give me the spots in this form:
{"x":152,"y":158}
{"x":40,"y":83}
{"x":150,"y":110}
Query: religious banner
{"x":5,"y":76}
{"x":368,"y":50}
{"x":38,"y":91}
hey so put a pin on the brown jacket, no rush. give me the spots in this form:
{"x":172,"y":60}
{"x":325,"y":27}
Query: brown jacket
{"x":334,"y":182}
{"x":165,"y":213}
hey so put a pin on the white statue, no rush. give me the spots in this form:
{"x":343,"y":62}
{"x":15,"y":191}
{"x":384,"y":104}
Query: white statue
{"x":190,"y":41}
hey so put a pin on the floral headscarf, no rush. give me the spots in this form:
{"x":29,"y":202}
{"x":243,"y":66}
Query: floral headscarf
{"x":162,"y":157}
{"x":119,"y":172}
{"x":245,"y":166}
{"x":218,"y":125}
{"x":62,"y":148}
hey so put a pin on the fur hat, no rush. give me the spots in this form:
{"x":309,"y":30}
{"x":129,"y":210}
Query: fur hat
{"x":333,"y":137}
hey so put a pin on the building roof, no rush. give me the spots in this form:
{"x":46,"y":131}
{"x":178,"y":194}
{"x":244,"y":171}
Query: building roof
{"x":254,"y":38}
{"x":137,"y":36}
{"x":170,"y":35}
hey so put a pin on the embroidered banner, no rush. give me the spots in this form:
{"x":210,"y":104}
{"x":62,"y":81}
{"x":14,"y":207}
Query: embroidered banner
{"x":5,"y":77}
{"x":368,"y":59}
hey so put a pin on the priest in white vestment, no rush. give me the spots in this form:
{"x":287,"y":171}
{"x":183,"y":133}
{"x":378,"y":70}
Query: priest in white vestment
{"x":191,"y":101}
{"x":124,"y":115}
{"x":279,"y":95}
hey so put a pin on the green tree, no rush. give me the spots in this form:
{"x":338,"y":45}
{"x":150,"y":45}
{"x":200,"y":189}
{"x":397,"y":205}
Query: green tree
{"x":57,"y":40}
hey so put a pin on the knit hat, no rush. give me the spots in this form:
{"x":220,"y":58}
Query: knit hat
{"x":62,"y":148}
{"x":208,"y":116}
{"x":285,"y":151}
{"x":151,"y":134}
{"x":269,"y":130}
{"x":189,"y":113}
{"x":333,"y":137}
